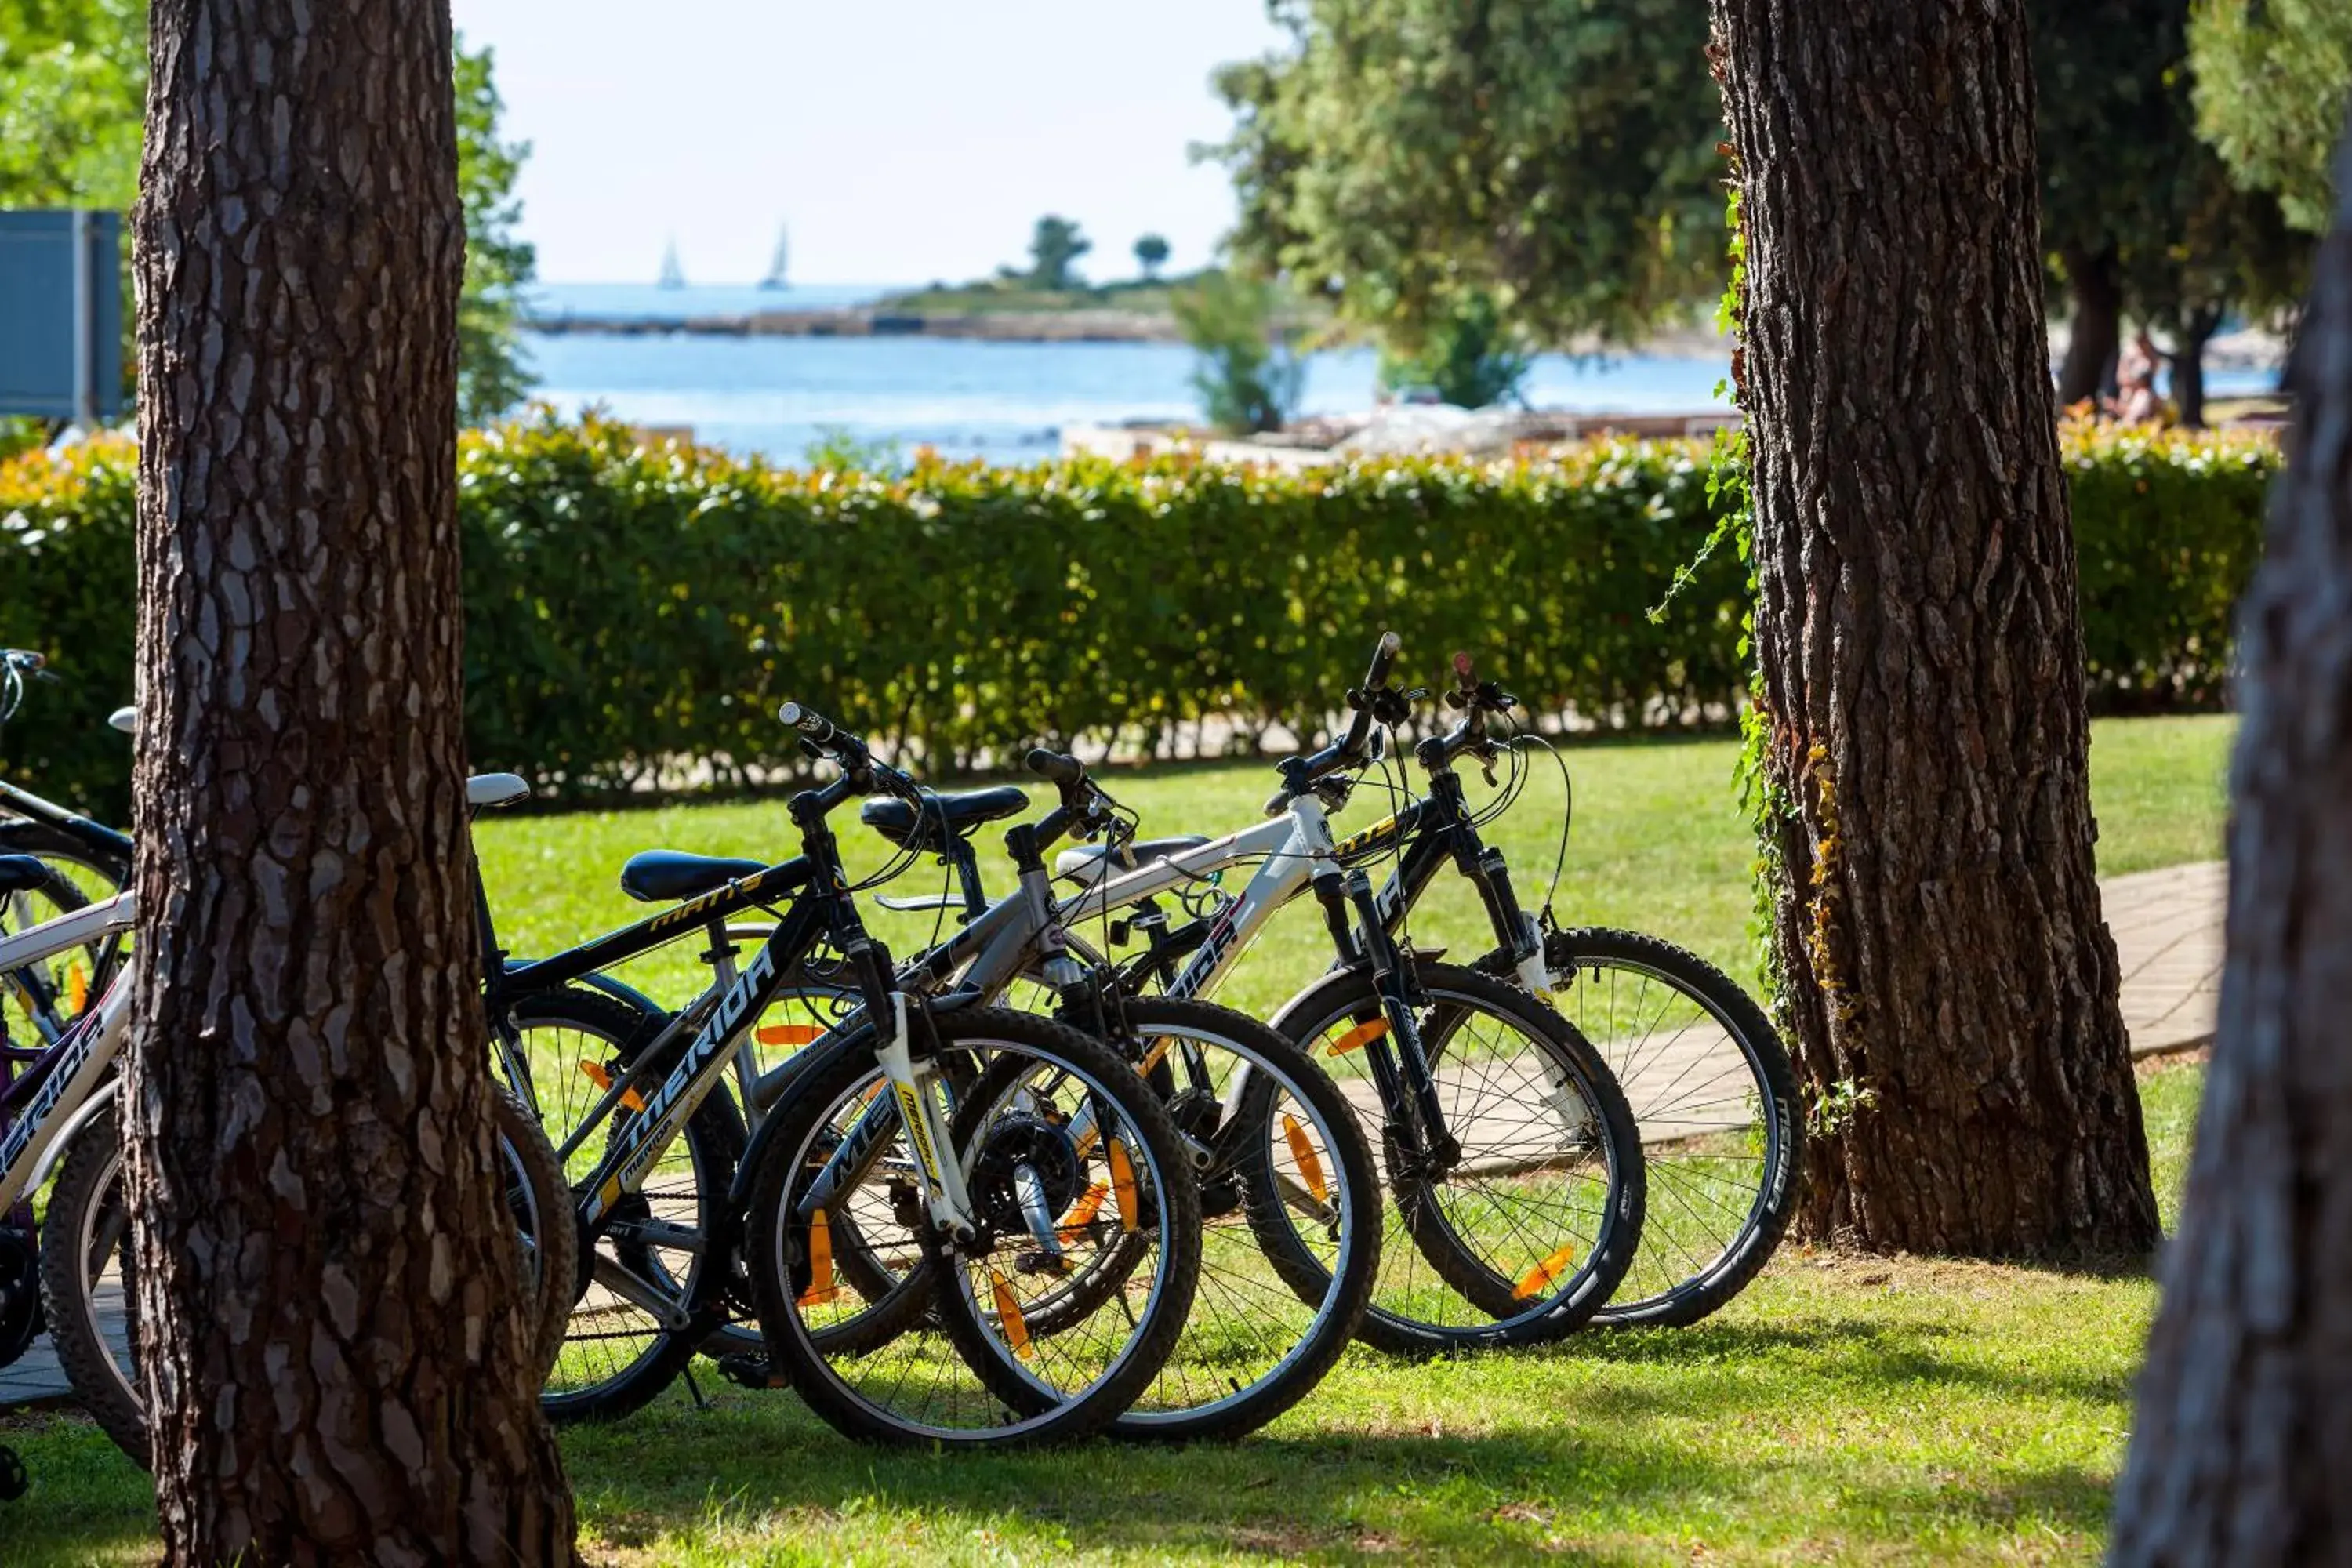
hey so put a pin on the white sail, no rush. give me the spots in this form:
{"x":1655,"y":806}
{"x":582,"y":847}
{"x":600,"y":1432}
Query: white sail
{"x":775,"y":277}
{"x":673,"y":276}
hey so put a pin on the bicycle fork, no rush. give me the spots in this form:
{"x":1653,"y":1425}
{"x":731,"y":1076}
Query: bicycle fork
{"x":1400,"y":1065}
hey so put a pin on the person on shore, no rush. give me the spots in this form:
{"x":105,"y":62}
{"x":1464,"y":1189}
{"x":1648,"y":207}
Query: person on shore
{"x":2134,"y":402}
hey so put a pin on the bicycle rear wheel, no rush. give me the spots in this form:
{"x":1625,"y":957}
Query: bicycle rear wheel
{"x":1521,"y":1239}
{"x":1052,"y":1112}
{"x":1715,"y":1095}
{"x":617,"y":1356}
{"x":89,"y":1282}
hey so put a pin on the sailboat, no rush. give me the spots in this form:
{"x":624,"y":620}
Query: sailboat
{"x":673,"y":276}
{"x":775,"y":277}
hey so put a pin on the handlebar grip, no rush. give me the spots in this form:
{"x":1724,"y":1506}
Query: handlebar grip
{"x":1057,"y":767}
{"x":809,"y":722}
{"x":1382,"y":656}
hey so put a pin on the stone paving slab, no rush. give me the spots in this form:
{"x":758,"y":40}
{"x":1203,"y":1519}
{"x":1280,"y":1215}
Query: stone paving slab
{"x":2168,"y":932}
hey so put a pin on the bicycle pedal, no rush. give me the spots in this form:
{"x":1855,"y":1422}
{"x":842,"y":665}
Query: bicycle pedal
{"x":750,"y":1369}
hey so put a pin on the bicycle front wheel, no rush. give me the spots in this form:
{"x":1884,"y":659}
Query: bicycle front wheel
{"x":1052,"y":1112}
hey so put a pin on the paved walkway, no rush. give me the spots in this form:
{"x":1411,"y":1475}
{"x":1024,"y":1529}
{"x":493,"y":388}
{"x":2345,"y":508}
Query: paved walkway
{"x":2168,"y":930}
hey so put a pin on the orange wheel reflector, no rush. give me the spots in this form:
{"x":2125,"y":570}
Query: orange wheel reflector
{"x":1008,"y":1314}
{"x":1541,"y":1277}
{"x":795,"y":1035}
{"x":821,"y":1287}
{"x":602,"y":1077}
{"x":1310,"y":1169}
{"x":1360,"y":1037}
{"x":77,"y":988}
{"x":1072,"y":1227}
{"x":1122,"y":1183}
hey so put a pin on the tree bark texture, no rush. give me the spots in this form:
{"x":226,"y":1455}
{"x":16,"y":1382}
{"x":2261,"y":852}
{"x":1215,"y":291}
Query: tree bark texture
{"x":336,"y":1366}
{"x":2244,"y":1430}
{"x":1943,"y":964}
{"x":2096,"y":334}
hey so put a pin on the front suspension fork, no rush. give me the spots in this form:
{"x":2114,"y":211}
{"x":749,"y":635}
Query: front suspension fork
{"x":1407,"y":1087}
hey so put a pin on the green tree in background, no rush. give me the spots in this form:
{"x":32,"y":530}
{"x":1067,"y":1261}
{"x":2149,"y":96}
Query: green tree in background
{"x":2273,"y":84}
{"x":73,"y":86}
{"x":1556,"y":157}
{"x":1250,"y":374}
{"x":1151,"y":254}
{"x":1471,"y":357}
{"x":1053,"y":250}
{"x":2139,"y":217}
{"x":73,"y":97}
{"x":492,"y":372}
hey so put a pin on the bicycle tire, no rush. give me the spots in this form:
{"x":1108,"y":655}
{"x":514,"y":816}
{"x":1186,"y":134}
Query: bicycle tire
{"x":1333,"y":1292}
{"x":1008,"y":1410}
{"x":86,"y":1203}
{"x":1400,"y":1318}
{"x":1668,"y":1291}
{"x":713,"y":1140}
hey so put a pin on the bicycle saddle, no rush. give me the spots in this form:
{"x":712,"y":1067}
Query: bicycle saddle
{"x":659,"y":876}
{"x":1084,"y":863}
{"x":965,"y":812}
{"x":23,"y":873}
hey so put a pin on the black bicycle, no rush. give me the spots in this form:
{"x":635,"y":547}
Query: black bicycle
{"x":1704,"y":1074}
{"x":964,"y":1183}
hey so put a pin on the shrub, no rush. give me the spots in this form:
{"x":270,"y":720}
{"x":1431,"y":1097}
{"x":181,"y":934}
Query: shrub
{"x":635,"y":615}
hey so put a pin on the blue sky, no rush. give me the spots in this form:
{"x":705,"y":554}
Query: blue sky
{"x":901,"y":140}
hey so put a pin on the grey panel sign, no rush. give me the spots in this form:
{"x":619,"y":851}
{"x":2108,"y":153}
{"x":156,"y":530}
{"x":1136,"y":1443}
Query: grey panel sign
{"x":61,"y":315}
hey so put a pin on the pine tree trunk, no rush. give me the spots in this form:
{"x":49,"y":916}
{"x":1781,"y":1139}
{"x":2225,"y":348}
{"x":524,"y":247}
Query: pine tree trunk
{"x":2096,"y":334}
{"x":2244,"y":1430}
{"x":336,"y":1365}
{"x":1947,"y":972}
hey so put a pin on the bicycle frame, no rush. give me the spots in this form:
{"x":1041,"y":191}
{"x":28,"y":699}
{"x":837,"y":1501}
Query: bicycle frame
{"x":61,"y":1087}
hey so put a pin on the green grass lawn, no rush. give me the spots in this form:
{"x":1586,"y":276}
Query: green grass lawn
{"x":1844,"y":1408}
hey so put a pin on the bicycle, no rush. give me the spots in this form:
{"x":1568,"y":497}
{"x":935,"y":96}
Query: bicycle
{"x":90,"y":861}
{"x":1289,"y":1195}
{"x":1707,"y":1078}
{"x":987,"y":1381}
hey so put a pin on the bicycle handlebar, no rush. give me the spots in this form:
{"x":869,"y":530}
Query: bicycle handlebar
{"x":1361,"y":698}
{"x":1057,"y":768}
{"x":812,"y":724}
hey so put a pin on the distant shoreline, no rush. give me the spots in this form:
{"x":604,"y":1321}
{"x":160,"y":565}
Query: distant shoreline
{"x":996,"y":326}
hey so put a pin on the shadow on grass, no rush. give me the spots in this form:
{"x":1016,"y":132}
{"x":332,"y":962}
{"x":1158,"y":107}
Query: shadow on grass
{"x":1608,"y":1449}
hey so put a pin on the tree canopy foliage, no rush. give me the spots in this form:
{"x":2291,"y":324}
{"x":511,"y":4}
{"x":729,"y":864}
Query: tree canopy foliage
{"x":2140,"y":216}
{"x":2273,"y":85}
{"x":73,"y":91}
{"x":1054,"y":251}
{"x":1555,"y":156}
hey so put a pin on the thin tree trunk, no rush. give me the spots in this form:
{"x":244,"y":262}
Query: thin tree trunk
{"x":2095,"y":332}
{"x":1944,"y":965}
{"x":2244,"y":1431}
{"x":2188,"y":359}
{"x":335,"y":1365}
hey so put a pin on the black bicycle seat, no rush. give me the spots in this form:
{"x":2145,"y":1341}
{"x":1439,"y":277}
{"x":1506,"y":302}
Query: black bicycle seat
{"x":964,"y":814}
{"x":660,"y":876}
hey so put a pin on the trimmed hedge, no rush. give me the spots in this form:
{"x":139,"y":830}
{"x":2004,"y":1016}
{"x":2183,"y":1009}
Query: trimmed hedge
{"x":635,"y":615}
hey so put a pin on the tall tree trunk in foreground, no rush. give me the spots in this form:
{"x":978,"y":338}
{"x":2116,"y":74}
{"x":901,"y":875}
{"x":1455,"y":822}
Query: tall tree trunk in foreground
{"x":335,"y":1359}
{"x":2096,"y":334}
{"x":1951,"y":984}
{"x":2244,"y":1431}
